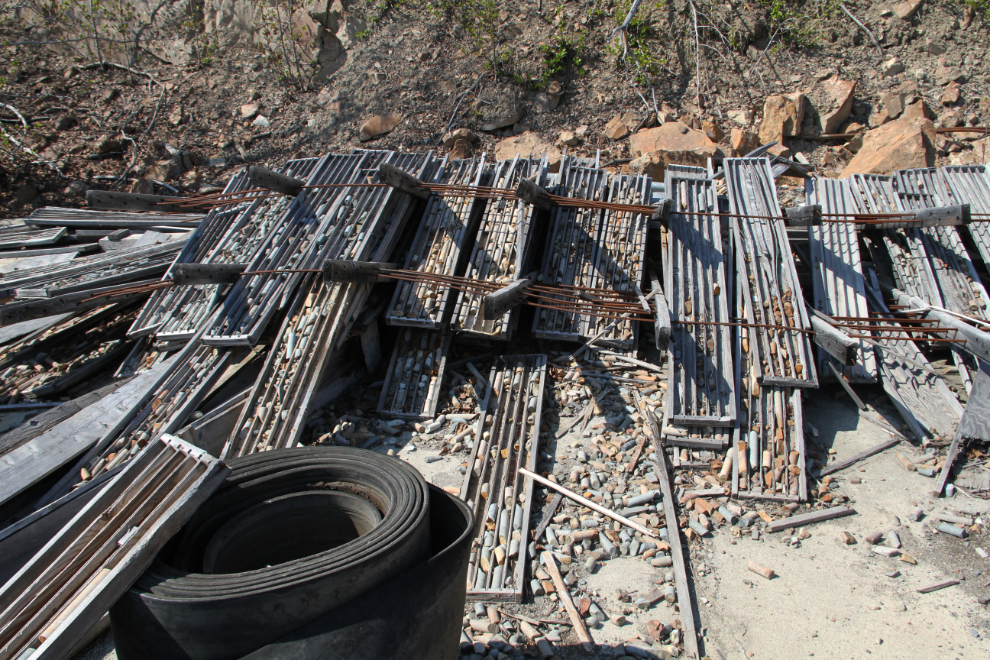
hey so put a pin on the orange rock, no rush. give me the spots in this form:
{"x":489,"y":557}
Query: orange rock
{"x":901,"y":144}
{"x":782,"y":116}
{"x":378,"y":126}
{"x":528,"y":145}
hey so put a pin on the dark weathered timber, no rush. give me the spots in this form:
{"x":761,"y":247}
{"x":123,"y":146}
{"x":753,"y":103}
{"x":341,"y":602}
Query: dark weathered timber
{"x":280,"y":183}
{"x":937,"y":586}
{"x":548,"y":516}
{"x":496,"y":304}
{"x":804,"y":216}
{"x":402,"y":180}
{"x":206,"y":273}
{"x":837,"y":343}
{"x":662,"y":211}
{"x":685,"y":601}
{"x":108,"y":200}
{"x":343,"y":270}
{"x":532,"y":193}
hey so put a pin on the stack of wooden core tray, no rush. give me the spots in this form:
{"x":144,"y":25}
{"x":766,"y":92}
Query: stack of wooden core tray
{"x":228,"y":235}
{"x":64,"y":590}
{"x":505,"y":440}
{"x":322,"y":313}
{"x":970,"y":184}
{"x":773,"y":304}
{"x":413,"y":381}
{"x":502,"y":248}
{"x":836,"y":271}
{"x":571,"y":247}
{"x":448,"y":224}
{"x":701,"y":377}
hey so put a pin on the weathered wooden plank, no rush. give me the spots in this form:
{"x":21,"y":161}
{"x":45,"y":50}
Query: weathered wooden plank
{"x":843,"y":464}
{"x":45,"y":453}
{"x":810,"y":518}
{"x":39,"y":424}
{"x":837,"y":343}
{"x":684,"y":600}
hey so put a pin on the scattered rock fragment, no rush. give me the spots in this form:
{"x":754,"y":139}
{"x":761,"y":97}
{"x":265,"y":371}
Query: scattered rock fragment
{"x":378,"y":126}
{"x":782,"y":117}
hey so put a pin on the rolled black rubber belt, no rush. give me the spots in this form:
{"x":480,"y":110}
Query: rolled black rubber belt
{"x":320,"y":553}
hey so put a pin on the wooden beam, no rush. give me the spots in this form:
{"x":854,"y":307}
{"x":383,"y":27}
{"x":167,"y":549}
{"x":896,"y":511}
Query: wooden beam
{"x":943,"y":216}
{"x":401,"y":180}
{"x":108,"y":200}
{"x":532,"y":193}
{"x":810,"y":518}
{"x":661,"y":328}
{"x":495,"y":305}
{"x":265,"y":178}
{"x":342,"y":270}
{"x":662,"y":211}
{"x":207,"y":273}
{"x":836,"y":343}
{"x":684,"y":600}
{"x":35,"y":426}
{"x":804,"y":216}
{"x":975,"y":424}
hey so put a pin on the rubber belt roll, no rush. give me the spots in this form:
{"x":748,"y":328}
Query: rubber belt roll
{"x":305,"y":553}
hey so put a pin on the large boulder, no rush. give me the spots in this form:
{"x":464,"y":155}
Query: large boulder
{"x":839,"y":104}
{"x":528,"y":145}
{"x":897,"y":145}
{"x":673,"y":136}
{"x":782,"y":116}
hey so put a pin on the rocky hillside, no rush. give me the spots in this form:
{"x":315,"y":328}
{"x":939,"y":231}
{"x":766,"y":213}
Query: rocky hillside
{"x":684,"y":81}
